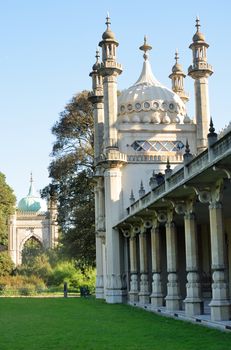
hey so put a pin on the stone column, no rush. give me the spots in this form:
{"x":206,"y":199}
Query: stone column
{"x":193,"y":300}
{"x":115,"y":287}
{"x":12,"y":238}
{"x":173,"y":293}
{"x":220,"y":304}
{"x":110,"y":110}
{"x":99,"y":290}
{"x":100,"y":205}
{"x":157,"y":294}
{"x":144,"y":294}
{"x":202,"y":112}
{"x":133,"y":292}
{"x":100,"y":235}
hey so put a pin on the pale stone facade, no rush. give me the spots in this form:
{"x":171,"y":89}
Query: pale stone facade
{"x":162,"y":190}
{"x":32,"y":219}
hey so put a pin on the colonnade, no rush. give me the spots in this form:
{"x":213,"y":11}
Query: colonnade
{"x":139,"y":287}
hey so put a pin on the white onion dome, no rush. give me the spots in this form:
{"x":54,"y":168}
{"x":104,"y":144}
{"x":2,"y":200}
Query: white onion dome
{"x":32,"y":202}
{"x":150,"y":96}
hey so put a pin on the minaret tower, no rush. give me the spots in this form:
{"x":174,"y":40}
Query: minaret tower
{"x":111,"y":163}
{"x":177,"y":76}
{"x":110,"y":69}
{"x":96,"y":97}
{"x":200,"y":70}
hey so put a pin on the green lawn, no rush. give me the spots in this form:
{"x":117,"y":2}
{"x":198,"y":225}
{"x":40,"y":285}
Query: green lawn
{"x":77,"y":323}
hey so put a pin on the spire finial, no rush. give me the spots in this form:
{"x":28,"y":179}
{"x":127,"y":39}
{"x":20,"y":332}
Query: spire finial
{"x":168,"y":170}
{"x":141,"y":190}
{"x":176,"y":55}
{"x":168,"y":166}
{"x":31,"y":188}
{"x":187,"y":149}
{"x":187,"y":155}
{"x":198,"y":23}
{"x":97,"y":55}
{"x":145,"y":47}
{"x":108,"y":20}
{"x":212,"y":135}
{"x":132,"y":198}
{"x":211,"y":127}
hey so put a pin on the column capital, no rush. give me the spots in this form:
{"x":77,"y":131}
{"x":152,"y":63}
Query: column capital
{"x":209,"y":193}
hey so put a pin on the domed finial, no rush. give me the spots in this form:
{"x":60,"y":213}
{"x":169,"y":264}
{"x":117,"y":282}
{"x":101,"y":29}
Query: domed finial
{"x":31,"y":177}
{"x":145,"y":47}
{"x":197,"y":25}
{"x":108,"y":21}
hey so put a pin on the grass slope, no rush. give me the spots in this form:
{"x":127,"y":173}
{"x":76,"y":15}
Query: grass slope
{"x":89,"y":324}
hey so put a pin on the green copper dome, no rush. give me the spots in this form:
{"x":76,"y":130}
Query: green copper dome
{"x":32,"y":202}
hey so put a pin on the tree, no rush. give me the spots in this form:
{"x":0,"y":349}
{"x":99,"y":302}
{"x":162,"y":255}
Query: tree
{"x":7,"y":203}
{"x":71,"y":171}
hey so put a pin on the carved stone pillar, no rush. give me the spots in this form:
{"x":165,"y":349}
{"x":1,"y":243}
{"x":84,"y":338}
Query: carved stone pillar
{"x":133,"y":292}
{"x":115,"y":284}
{"x":173,"y":293}
{"x":220,"y":304}
{"x":193,"y":302}
{"x":99,"y":290}
{"x":101,"y":205}
{"x":144,"y":290}
{"x":157,"y":293}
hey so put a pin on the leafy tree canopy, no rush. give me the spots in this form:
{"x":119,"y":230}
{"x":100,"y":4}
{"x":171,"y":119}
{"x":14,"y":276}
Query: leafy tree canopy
{"x":6,"y":264}
{"x":7,"y":203}
{"x":71,"y":171}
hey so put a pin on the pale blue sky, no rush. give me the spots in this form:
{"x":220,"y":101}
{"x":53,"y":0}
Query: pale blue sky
{"x":47,"y":48}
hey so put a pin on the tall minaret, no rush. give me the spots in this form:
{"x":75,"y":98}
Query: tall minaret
{"x":96,"y":97}
{"x":110,"y":69}
{"x":177,"y":76}
{"x":200,"y":70}
{"x":113,"y":161}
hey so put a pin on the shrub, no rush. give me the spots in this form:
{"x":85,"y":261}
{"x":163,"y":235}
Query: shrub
{"x":62,"y":272}
{"x":84,"y":279}
{"x":21,"y":285}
